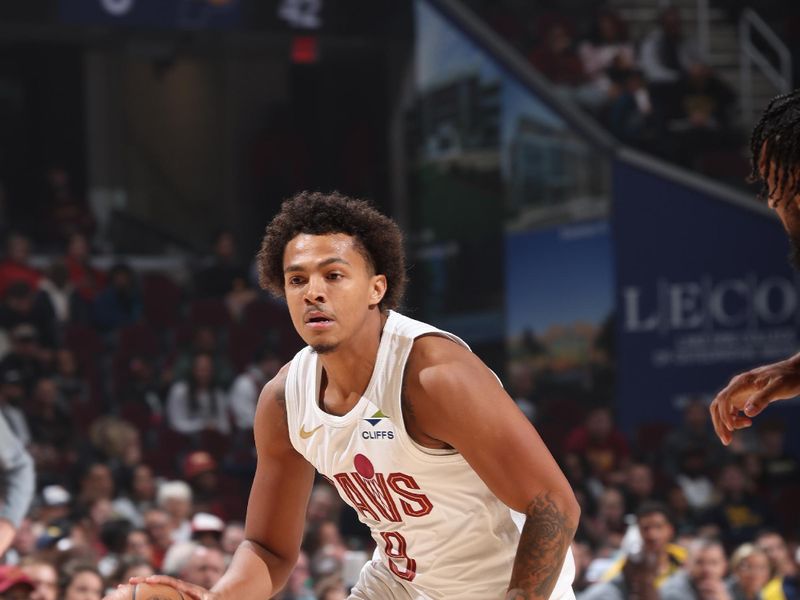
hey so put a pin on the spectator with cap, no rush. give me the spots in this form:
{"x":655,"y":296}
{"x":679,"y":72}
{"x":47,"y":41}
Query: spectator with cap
{"x":14,"y":584}
{"x":17,"y":482}
{"x":207,"y":529}
{"x":55,"y":504}
{"x":201,"y":471}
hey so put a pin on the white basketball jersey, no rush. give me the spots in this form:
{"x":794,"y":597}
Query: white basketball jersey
{"x":438,"y":528}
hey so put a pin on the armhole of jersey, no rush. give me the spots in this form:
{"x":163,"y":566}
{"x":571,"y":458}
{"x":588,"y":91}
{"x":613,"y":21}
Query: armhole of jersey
{"x":415,"y":448}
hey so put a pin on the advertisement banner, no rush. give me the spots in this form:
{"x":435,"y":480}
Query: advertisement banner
{"x":704,"y":291}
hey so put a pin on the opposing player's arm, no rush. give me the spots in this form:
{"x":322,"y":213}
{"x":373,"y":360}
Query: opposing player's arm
{"x":456,"y":399}
{"x":277,"y":505}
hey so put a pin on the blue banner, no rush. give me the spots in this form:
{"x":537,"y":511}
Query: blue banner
{"x":704,"y":291}
{"x":160,"y":14}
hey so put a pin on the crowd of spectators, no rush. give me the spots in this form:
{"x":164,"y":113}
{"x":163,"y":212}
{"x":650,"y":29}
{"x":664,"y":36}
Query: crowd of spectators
{"x":134,"y":392}
{"x":657,"y":93}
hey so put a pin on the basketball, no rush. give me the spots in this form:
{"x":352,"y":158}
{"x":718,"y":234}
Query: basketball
{"x":155,"y":591}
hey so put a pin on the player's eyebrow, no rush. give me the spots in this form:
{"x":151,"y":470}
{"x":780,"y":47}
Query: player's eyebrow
{"x":321,"y":264}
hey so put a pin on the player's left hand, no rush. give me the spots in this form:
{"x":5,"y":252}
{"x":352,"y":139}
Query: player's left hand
{"x":750,"y":393}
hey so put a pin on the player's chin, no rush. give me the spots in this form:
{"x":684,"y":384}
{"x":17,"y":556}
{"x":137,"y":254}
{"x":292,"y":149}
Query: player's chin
{"x":323,"y":348}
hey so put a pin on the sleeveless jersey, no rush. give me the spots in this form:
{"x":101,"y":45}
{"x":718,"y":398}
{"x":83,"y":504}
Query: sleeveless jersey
{"x":438,"y":528}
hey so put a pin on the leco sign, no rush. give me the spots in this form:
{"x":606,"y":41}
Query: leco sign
{"x":117,"y":7}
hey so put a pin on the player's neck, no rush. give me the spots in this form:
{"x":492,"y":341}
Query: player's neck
{"x":348,"y":369}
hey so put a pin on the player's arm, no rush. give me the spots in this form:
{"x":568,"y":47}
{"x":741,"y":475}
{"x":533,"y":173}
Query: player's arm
{"x":751,"y":392}
{"x":275,"y":511}
{"x":456,"y":399}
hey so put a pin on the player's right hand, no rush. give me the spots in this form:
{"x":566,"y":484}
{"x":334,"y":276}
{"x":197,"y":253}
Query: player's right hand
{"x":750,"y":393}
{"x":190,"y":591}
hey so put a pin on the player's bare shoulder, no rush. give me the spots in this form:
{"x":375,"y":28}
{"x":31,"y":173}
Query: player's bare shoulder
{"x":435,"y":359}
{"x":273,"y":394}
{"x":270,"y":426}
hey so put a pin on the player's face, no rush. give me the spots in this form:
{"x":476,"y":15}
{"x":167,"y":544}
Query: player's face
{"x":783,"y":201}
{"x":330,"y":288}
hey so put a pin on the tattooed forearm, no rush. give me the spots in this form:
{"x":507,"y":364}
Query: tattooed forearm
{"x":542,"y":546}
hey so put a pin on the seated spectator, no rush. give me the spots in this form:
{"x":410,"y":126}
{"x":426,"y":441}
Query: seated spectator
{"x":130,"y":565}
{"x":607,"y":51}
{"x":630,"y":109}
{"x":49,"y":420}
{"x":14,"y":584}
{"x":604,"y":447}
{"x":11,"y":396}
{"x":665,"y":56}
{"x":232,"y":536}
{"x":786,"y":574}
{"x":21,"y":308}
{"x":247,"y":387}
{"x":207,"y":530}
{"x":750,"y":572}
{"x":197,"y":404}
{"x":694,"y":480}
{"x":95,"y":482}
{"x":16,"y":267}
{"x":44,"y":576}
{"x":738,"y":514}
{"x":27,"y":358}
{"x":202,"y":473}
{"x":69,"y":379}
{"x":159,"y":527}
{"x":204,"y":341}
{"x":138,"y":545}
{"x":120,"y":303}
{"x":200,"y":565}
{"x":698,"y":116}
{"x":330,"y":588}
{"x":81,"y":581}
{"x":781,"y":467}
{"x":175,"y":499}
{"x":57,"y":296}
{"x":555,"y":56}
{"x":703,"y":577}
{"x":639,"y":486}
{"x":139,"y":494}
{"x":608,"y":525}
{"x":694,"y":432}
{"x":85,"y":279}
{"x":217,"y":273}
{"x":240,"y":295}
{"x":662,"y":558}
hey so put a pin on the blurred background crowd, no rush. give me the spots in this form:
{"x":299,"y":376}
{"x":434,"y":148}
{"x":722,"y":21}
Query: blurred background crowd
{"x":130,"y":379}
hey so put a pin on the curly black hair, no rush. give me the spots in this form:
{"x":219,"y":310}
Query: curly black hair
{"x":777,"y":137}
{"x":377,"y":236}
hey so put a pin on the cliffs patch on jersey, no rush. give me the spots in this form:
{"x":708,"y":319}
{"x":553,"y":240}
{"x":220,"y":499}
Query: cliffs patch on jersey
{"x":381,"y":427}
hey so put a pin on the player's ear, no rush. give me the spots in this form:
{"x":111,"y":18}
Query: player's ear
{"x":378,"y":289}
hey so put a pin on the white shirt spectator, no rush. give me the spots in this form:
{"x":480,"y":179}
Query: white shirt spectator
{"x":210,"y":410}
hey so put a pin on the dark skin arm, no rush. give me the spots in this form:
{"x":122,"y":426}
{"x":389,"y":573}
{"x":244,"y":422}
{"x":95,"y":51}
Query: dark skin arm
{"x":275,"y":512}
{"x":455,"y":400}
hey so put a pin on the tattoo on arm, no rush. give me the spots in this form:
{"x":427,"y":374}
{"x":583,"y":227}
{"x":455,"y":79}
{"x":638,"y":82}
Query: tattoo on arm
{"x":542,"y":546}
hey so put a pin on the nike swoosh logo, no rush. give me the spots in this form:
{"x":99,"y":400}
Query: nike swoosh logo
{"x":307,"y":434}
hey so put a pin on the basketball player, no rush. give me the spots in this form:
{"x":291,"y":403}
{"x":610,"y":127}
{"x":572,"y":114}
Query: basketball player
{"x":775,"y":151}
{"x":463,"y":499}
